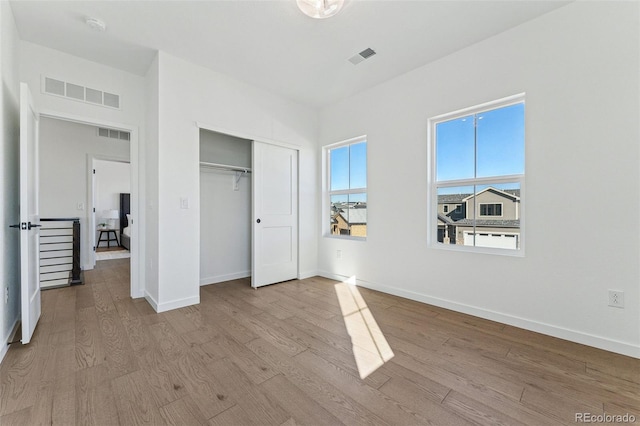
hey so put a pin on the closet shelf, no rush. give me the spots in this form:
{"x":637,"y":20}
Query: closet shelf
{"x":225,"y":167}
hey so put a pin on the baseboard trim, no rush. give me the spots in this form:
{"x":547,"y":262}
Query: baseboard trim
{"x":151,"y":301}
{"x":308,"y":274}
{"x":225,"y":277}
{"x":8,"y":338}
{"x":177,"y":304}
{"x":599,"y":342}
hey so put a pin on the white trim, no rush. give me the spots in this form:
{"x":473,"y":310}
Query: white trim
{"x":307,"y":274}
{"x":5,"y":341}
{"x":600,"y":342}
{"x":357,"y":139}
{"x":177,"y":304}
{"x":483,"y":107}
{"x":225,"y":277}
{"x":151,"y":300}
{"x":247,"y":136}
{"x":137,"y":279}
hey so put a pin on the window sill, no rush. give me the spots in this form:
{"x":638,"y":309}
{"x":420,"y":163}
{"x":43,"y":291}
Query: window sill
{"x":345,"y":237}
{"x":478,"y":250}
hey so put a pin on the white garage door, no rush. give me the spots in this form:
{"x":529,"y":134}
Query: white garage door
{"x":505,"y":241}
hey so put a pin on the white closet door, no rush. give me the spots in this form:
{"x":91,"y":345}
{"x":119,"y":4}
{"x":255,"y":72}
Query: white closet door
{"x":275,"y":214}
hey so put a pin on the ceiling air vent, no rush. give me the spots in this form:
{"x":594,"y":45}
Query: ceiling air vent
{"x":359,"y":57}
{"x":80,"y":93}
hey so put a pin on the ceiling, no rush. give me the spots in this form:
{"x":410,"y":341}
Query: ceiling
{"x":271,"y":44}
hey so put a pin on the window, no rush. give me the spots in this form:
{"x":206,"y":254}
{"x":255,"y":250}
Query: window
{"x":490,"y":209}
{"x":446,"y":209}
{"x":477,"y":162}
{"x":347,"y":187}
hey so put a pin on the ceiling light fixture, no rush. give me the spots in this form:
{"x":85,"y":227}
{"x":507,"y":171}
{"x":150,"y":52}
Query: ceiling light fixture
{"x":320,"y":9}
{"x":96,"y":24}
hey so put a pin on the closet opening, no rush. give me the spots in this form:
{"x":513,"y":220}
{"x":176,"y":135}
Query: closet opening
{"x":248,"y":210}
{"x":225,"y":207}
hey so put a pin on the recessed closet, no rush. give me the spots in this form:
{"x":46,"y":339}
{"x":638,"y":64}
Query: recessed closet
{"x":225,"y":207}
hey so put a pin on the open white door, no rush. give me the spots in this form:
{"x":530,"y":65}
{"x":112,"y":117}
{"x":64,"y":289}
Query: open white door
{"x":274,"y":253}
{"x":29,"y":215}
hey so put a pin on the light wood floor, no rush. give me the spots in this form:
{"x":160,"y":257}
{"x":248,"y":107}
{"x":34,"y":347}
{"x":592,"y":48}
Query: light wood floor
{"x":294,"y":353}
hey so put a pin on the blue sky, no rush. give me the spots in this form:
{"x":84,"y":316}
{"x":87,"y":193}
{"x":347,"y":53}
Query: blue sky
{"x":500,"y":145}
{"x":349,"y":170}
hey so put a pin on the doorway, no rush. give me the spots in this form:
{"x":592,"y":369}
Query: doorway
{"x":110,"y":208}
{"x":68,"y":147}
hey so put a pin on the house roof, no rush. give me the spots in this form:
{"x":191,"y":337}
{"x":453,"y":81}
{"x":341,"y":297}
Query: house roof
{"x":354,"y":216}
{"x":460,"y":198}
{"x":500,"y":192}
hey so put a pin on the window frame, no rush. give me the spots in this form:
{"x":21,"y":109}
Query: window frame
{"x":433,"y":184}
{"x":327,"y":192}
{"x":490,"y":204}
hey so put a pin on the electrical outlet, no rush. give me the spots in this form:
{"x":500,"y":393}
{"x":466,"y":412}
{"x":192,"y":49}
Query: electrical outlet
{"x":338,"y":254}
{"x":616,"y":298}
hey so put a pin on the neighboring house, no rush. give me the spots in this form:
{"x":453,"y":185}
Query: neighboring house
{"x":496,"y":222}
{"x":349,"y":220}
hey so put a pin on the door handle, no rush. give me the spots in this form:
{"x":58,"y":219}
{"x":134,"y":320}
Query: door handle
{"x":15,"y":226}
{"x":258,"y":221}
{"x":33,"y":225}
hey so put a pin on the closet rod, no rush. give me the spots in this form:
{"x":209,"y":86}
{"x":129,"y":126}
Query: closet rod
{"x":225,"y":167}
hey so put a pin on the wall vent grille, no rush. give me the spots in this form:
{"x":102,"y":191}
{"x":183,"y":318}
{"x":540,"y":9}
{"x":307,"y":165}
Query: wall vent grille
{"x":80,"y":93}
{"x":114,"y":134}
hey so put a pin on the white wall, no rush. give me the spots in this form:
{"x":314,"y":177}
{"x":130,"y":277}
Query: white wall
{"x":37,"y":61}
{"x":225,"y":227}
{"x":225,"y":213}
{"x":9,"y":160}
{"x":65,"y":152}
{"x":151,"y":167}
{"x":112,"y":178}
{"x":190,"y":94}
{"x":579,"y":67}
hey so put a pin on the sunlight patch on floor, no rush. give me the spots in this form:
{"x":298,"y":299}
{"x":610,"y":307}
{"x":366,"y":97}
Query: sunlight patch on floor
{"x":370,"y":348}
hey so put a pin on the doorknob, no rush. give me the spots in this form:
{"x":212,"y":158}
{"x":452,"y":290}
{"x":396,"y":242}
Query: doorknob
{"x":258,"y":221}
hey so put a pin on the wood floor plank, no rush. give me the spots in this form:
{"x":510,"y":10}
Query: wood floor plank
{"x":89,"y":347}
{"x":182,"y":412}
{"x":234,"y":415}
{"x":164,"y":377}
{"x":253,"y":366}
{"x":96,"y":405}
{"x":64,"y":401}
{"x":329,"y":397}
{"x":372,"y":399}
{"x":207,"y":393}
{"x":258,"y":405}
{"x":477,"y":412}
{"x":419,"y":401}
{"x":120,"y":357}
{"x":299,"y":352}
{"x":135,"y":404}
{"x":305,"y":410}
